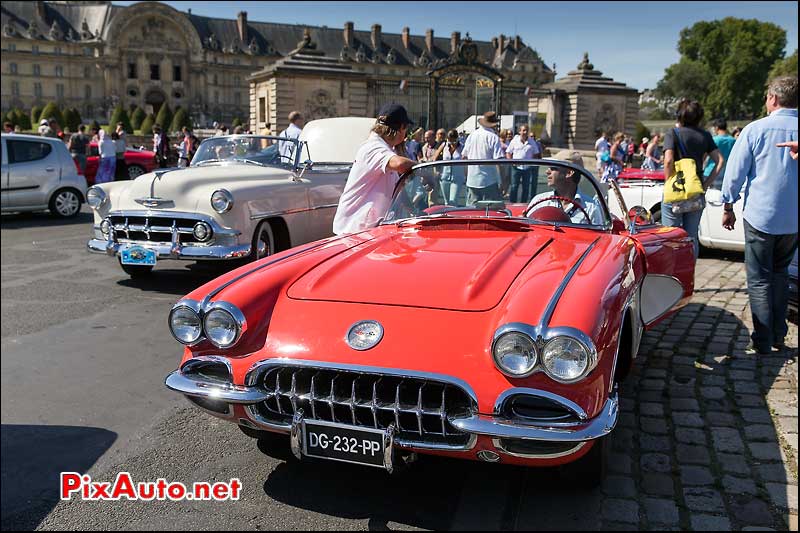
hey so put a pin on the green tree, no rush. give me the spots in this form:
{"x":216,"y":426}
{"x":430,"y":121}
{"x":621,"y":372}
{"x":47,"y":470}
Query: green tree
{"x":36,"y":112}
{"x":784,"y":67}
{"x":22,"y":120}
{"x":640,"y":132}
{"x":164,"y":117}
{"x":137,"y":117}
{"x":77,"y":118}
{"x":180,"y":120}
{"x":120,"y":115}
{"x":51,"y":110}
{"x":147,"y":124}
{"x":236,"y":122}
{"x":69,"y":119}
{"x":724,"y":64}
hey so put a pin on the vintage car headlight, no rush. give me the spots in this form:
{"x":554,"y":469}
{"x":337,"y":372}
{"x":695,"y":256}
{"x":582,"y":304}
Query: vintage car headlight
{"x":221,"y":201}
{"x":223,"y":325}
{"x":105,"y":226}
{"x":185,"y":324}
{"x":515,"y":354}
{"x":95,"y":197}
{"x":565,"y":358}
{"x":202,"y":231}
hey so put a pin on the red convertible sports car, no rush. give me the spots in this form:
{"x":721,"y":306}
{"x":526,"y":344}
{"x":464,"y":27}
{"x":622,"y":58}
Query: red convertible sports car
{"x":139,"y":162}
{"x":486,"y":331}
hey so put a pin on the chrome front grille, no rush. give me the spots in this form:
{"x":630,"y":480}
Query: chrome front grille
{"x":418,"y":407}
{"x":153,"y":228}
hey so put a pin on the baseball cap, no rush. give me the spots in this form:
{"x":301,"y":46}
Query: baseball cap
{"x":394,"y":115}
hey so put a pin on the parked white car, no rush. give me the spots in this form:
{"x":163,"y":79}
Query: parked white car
{"x":242,"y":197}
{"x":39,"y":174}
{"x":648,"y":193}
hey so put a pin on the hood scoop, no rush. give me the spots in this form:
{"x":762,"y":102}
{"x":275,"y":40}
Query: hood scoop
{"x":470,"y":224}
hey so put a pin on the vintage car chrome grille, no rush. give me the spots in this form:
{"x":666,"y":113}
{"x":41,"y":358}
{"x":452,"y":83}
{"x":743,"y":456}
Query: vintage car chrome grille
{"x":418,"y":407}
{"x":153,"y":229}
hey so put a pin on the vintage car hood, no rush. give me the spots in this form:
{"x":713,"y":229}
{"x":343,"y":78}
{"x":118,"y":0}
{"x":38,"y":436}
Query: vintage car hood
{"x":184,"y":189}
{"x":457,"y":270}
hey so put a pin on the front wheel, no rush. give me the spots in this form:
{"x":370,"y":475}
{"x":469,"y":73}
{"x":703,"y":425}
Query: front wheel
{"x":656,"y":216}
{"x":263,"y":242}
{"x":65,"y":203}
{"x":589,"y":471}
{"x":137,"y":271}
{"x":134,"y":171}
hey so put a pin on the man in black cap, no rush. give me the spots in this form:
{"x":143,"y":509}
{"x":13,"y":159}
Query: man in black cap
{"x":368,"y":192}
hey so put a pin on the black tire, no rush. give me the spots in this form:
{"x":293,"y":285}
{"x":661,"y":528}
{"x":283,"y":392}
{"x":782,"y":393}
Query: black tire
{"x":589,"y":471}
{"x":135,"y":171}
{"x":137,"y":271}
{"x":263,"y":242}
{"x":275,"y":445}
{"x":656,"y":215}
{"x":65,"y":203}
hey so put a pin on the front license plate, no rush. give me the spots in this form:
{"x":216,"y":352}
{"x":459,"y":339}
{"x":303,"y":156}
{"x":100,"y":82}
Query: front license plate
{"x":137,"y":255}
{"x":338,"y":442}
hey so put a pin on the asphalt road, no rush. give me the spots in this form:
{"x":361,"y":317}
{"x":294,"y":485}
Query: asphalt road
{"x":84,"y":354}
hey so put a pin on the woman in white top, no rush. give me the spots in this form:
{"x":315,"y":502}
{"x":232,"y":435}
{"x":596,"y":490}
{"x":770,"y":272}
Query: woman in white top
{"x":453,"y":177}
{"x":108,"y":158}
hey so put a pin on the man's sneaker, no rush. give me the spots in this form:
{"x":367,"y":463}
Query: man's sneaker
{"x":780,"y":346}
{"x":752,"y":350}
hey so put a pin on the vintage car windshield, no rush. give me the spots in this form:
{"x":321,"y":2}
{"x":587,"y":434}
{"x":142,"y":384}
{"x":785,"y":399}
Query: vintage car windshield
{"x":269,"y":151}
{"x":564,"y":195}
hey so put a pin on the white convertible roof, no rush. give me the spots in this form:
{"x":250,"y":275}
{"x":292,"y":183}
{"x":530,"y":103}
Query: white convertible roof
{"x":335,"y":140}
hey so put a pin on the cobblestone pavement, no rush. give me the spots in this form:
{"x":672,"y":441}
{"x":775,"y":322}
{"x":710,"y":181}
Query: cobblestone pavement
{"x":707,"y":439}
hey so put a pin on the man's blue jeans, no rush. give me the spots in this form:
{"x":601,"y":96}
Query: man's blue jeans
{"x":767,"y":258}
{"x":520,"y":179}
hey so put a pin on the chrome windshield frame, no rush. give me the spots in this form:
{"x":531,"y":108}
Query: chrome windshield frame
{"x":298,"y":148}
{"x":542,"y":163}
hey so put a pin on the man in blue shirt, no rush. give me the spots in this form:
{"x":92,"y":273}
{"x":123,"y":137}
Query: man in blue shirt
{"x":724,"y":142}
{"x":769,"y":177}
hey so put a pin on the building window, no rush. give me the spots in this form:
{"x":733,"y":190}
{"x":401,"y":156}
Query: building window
{"x":35,"y":49}
{"x":262,"y":109}
{"x":15,"y":88}
{"x":59,"y":90}
{"x":58,"y":50}
{"x":176,"y":73}
{"x":237,"y":98}
{"x":59,"y":71}
{"x":155,"y":72}
{"x":236,"y":62}
{"x":216,"y":80}
{"x":132,"y":71}
{"x":237,"y":80}
{"x":37,"y":89}
{"x":87,"y":51}
{"x":87,"y":72}
{"x":12,"y":47}
{"x":87,"y":91}
{"x":216,"y":97}
{"x":37,"y":70}
{"x":12,"y":68}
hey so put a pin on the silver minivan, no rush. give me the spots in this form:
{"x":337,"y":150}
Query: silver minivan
{"x":38,"y":173}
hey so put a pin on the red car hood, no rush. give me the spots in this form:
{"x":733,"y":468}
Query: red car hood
{"x":456,"y":270}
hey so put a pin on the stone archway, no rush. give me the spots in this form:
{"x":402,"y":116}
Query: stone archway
{"x":155,"y":98}
{"x":466,"y":61}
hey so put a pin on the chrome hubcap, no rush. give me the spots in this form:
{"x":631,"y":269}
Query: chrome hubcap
{"x":263,"y":245}
{"x":67,"y":203}
{"x":134,"y":172}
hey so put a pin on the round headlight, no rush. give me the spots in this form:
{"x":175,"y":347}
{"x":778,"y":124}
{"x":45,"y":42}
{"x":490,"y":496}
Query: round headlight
{"x":565,"y":359}
{"x":105,"y":226}
{"x":202,"y":231}
{"x":95,"y":197}
{"x":515,"y":354}
{"x":185,"y":325}
{"x":221,"y":201}
{"x":221,"y":328}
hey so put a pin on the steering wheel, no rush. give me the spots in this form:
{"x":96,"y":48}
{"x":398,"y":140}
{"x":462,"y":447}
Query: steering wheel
{"x":563,"y":198}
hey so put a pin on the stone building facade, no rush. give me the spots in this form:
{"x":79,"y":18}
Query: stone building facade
{"x":93,"y":55}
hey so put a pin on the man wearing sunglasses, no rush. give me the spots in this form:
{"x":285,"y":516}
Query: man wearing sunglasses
{"x":564,"y":184}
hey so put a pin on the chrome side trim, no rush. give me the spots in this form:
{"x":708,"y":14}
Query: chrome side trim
{"x":551,"y":305}
{"x":496,"y":427}
{"x":569,"y":405}
{"x":258,"y":216}
{"x":215,"y":390}
{"x":499,"y":445}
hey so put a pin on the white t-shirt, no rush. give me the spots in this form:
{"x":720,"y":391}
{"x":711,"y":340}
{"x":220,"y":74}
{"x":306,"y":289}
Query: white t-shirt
{"x":368,"y":192}
{"x":602,"y":145}
{"x":107,"y":147}
{"x":286,"y":149}
{"x":575,"y":214}
{"x":483,"y":143}
{"x":523,"y":150}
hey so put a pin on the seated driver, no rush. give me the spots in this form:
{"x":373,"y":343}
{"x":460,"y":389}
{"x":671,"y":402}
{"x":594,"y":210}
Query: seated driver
{"x":564,"y":183}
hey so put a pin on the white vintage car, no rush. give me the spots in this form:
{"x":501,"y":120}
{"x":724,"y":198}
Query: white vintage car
{"x":243,"y":197}
{"x":649,"y":192}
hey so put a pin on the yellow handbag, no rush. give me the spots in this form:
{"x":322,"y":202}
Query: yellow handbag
{"x":684,"y":184}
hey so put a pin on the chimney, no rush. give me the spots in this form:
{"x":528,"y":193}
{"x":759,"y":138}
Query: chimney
{"x":494,"y":43}
{"x":429,"y":40}
{"x":376,"y":36}
{"x":40,"y":11}
{"x":241,"y":23}
{"x":502,"y":42}
{"x":455,"y":40}
{"x":517,"y":43}
{"x":404,"y":37}
{"x":348,"y":34}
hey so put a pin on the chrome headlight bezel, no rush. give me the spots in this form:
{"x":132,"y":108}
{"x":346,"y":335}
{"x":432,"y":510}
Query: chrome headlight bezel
{"x":520,"y":337}
{"x":206,"y":227}
{"x":237,"y":319}
{"x":96,"y":197}
{"x":106,"y":227}
{"x":193,"y":308}
{"x":224,"y":201}
{"x":546,"y":358}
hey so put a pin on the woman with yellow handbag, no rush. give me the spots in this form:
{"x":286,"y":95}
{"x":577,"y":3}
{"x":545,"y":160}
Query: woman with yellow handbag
{"x":684,"y":190}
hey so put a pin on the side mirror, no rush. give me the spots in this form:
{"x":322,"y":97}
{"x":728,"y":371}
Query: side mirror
{"x":308,"y":164}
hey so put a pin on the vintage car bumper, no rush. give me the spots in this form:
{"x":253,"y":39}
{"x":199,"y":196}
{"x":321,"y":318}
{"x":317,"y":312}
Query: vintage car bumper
{"x":502,"y":432}
{"x":170,"y":251}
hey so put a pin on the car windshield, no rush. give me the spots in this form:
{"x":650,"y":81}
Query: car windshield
{"x":266,"y":151}
{"x":544,"y":191}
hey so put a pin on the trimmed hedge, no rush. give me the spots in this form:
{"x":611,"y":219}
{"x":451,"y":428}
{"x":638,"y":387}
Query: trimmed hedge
{"x":164,"y":117}
{"x":120,"y":115}
{"x":137,"y":117}
{"x":51,"y":110}
{"x":147,"y":124}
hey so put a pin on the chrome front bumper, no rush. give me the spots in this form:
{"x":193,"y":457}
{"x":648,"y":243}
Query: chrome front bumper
{"x":171,"y":250}
{"x":489,"y":426}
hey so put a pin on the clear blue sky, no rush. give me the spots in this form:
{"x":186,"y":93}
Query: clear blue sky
{"x":632,"y":42}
